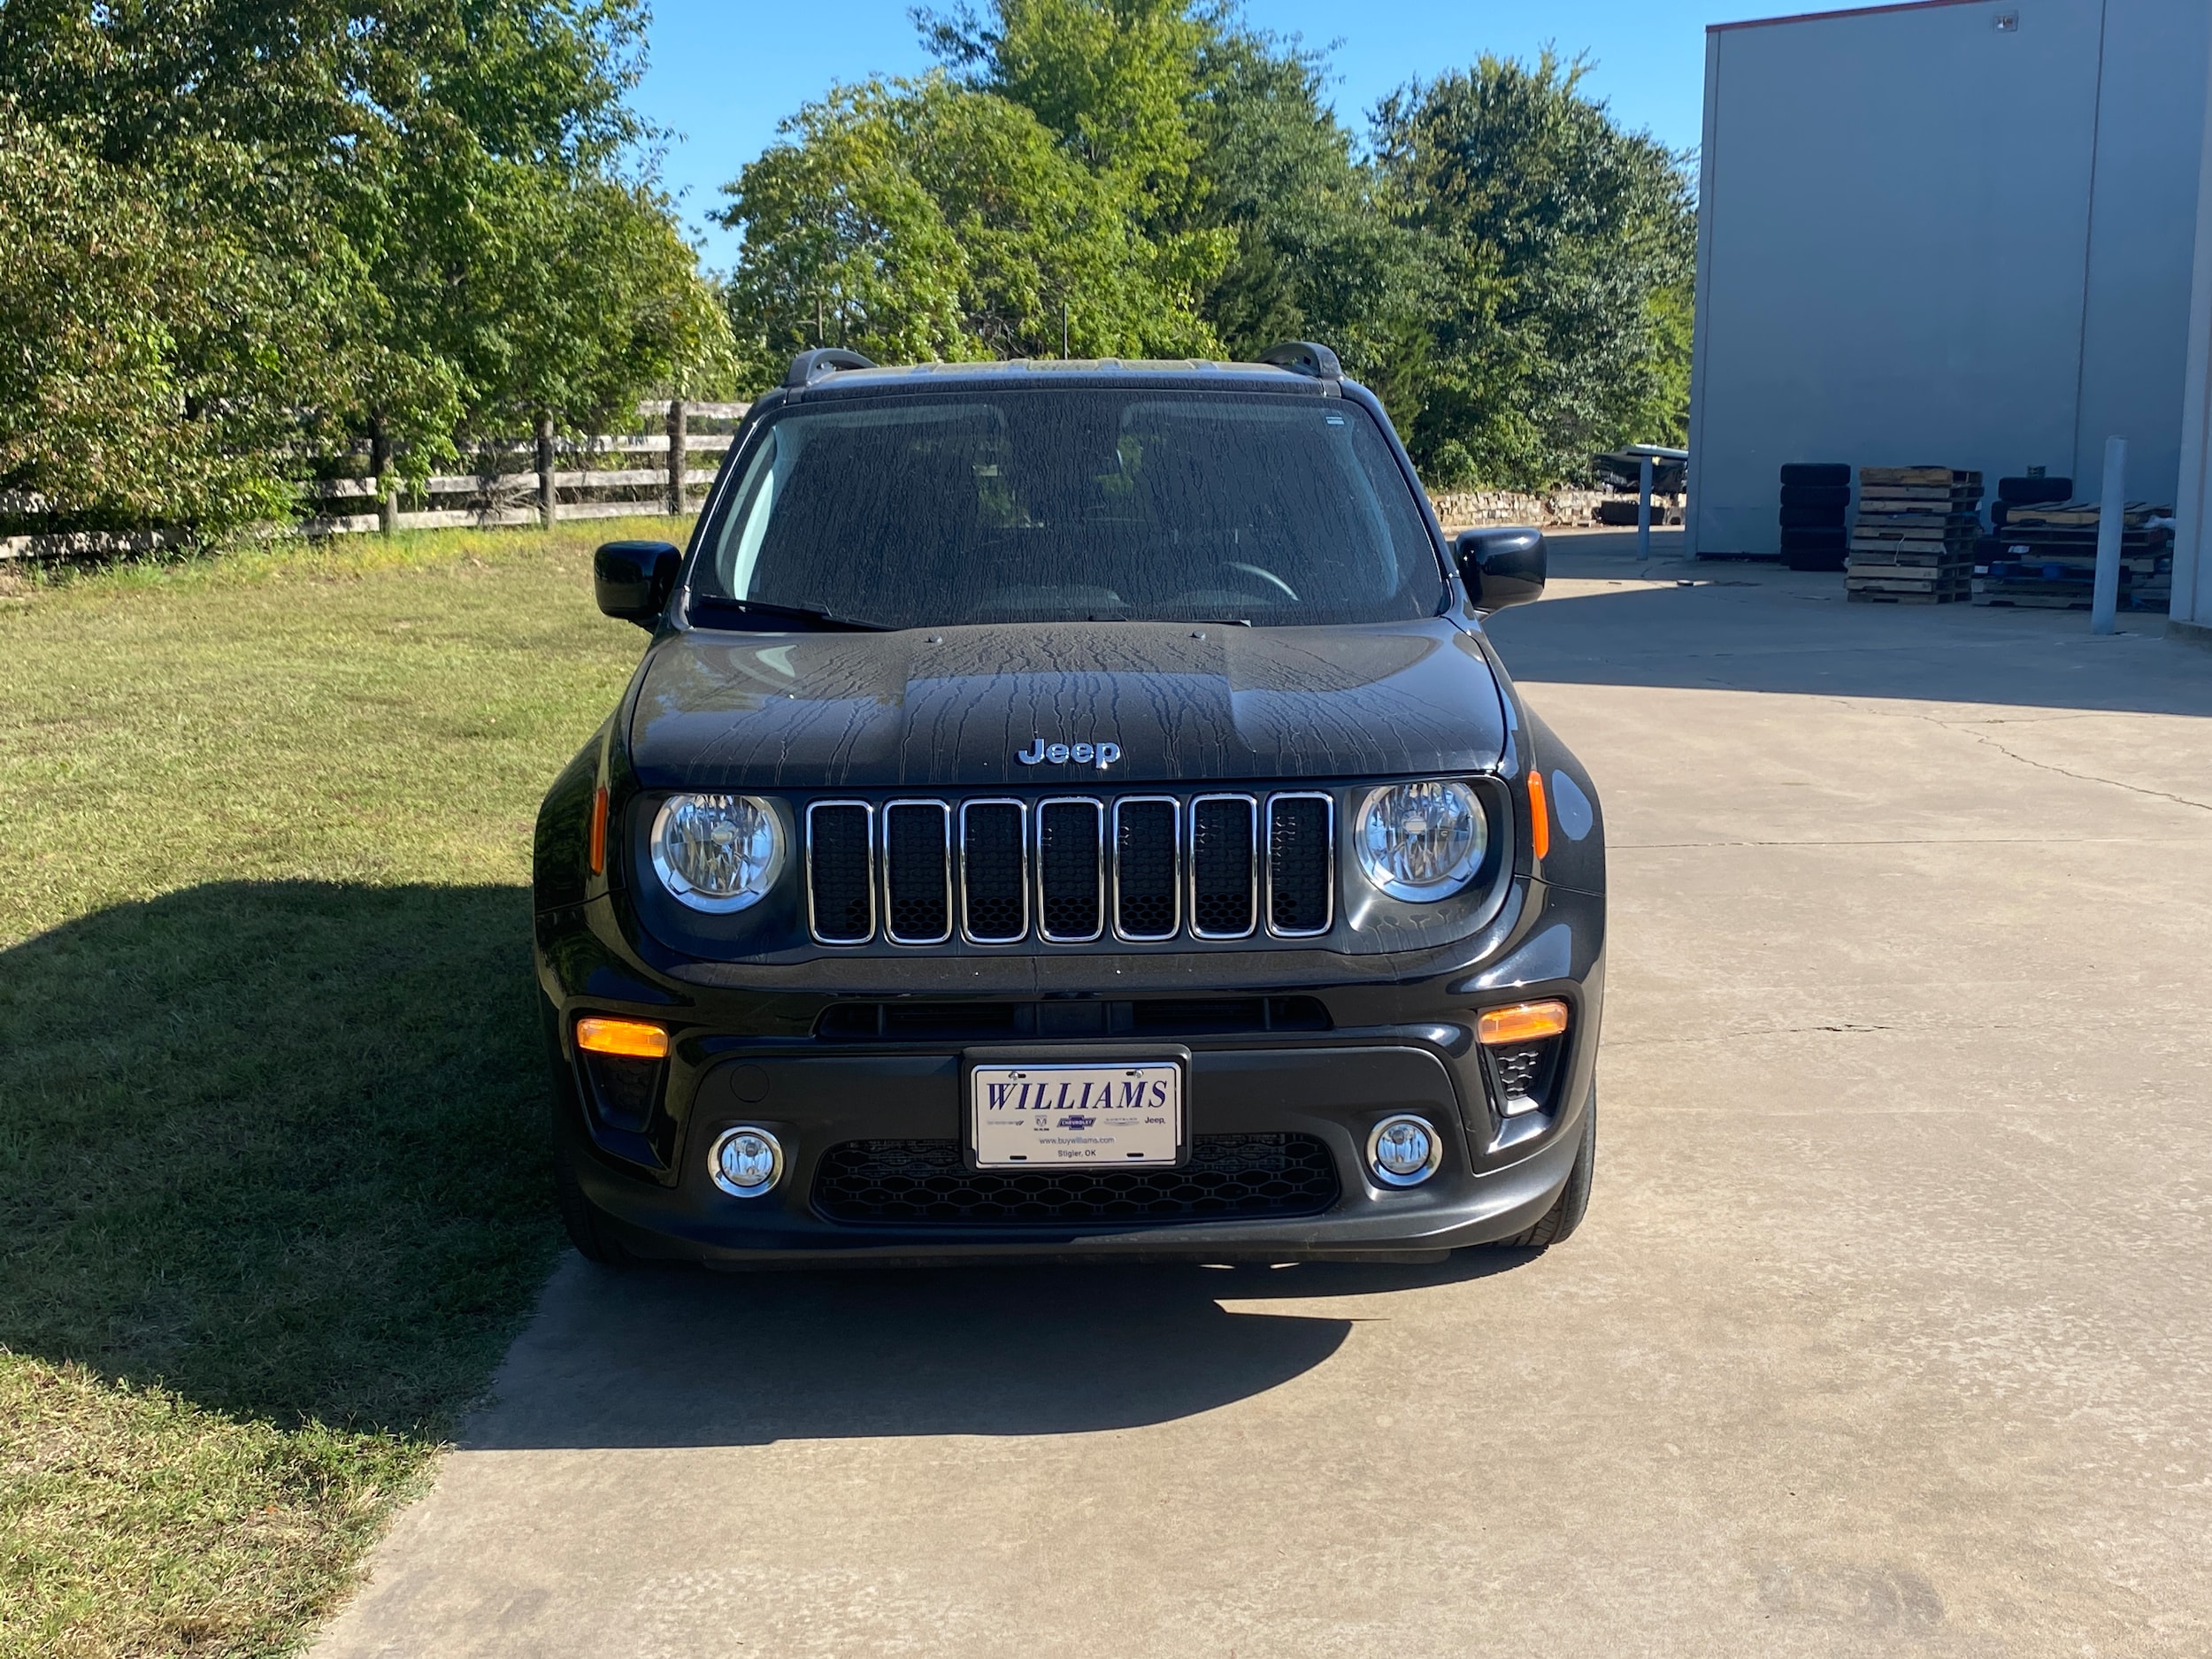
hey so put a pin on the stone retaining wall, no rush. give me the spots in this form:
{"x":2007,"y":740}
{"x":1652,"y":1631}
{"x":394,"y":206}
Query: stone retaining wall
{"x":1456,"y":509}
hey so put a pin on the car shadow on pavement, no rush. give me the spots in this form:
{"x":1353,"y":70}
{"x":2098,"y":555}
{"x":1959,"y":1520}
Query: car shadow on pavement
{"x":684,"y":1357}
{"x":278,"y":1146}
{"x":1759,"y":628}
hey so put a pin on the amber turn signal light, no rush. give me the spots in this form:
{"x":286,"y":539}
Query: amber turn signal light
{"x":1524,"y":1022}
{"x":632,"y":1039}
{"x":599,"y":831}
{"x":1539,"y":815}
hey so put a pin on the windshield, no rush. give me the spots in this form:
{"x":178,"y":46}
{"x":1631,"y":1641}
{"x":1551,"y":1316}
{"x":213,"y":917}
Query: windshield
{"x":1073,"y":504}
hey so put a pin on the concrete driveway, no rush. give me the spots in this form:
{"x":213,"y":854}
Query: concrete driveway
{"x":1889,"y":1331}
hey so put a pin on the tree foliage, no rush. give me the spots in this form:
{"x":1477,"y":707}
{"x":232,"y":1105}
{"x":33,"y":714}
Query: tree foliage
{"x":1508,"y":267}
{"x":395,"y":219}
{"x":1566,"y":247}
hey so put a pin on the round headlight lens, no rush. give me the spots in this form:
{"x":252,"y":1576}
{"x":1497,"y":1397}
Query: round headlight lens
{"x":717,"y":852}
{"x":1421,"y":842}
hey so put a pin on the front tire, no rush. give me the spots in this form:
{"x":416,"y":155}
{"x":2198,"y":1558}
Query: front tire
{"x":585,"y":1223}
{"x":1560,"y":1221}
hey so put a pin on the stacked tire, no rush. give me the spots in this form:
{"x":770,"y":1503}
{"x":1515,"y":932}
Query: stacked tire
{"x":1816,"y":515}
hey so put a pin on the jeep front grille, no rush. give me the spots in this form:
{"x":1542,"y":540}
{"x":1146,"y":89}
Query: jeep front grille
{"x":1069,"y":869}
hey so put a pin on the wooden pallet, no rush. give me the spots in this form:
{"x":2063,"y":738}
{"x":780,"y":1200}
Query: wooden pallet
{"x":1909,"y":564}
{"x":1949,"y":597}
{"x":1919,"y":477}
{"x":2033,"y":602}
{"x":1945,"y":586}
{"x":2083,"y":563}
{"x":1920,"y":500}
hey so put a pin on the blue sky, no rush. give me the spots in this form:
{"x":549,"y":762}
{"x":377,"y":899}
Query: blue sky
{"x":723,"y":75}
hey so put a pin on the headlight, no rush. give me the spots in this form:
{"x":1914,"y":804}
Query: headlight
{"x":717,"y":852}
{"x":1421,"y":842}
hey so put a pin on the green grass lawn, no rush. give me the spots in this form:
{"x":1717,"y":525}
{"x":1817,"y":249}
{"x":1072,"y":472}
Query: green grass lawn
{"x":271,"y":1196}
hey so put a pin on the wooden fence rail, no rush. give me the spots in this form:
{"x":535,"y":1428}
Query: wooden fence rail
{"x":552,"y":487}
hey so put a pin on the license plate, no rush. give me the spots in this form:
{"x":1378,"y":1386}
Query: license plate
{"x":1031,"y":1116}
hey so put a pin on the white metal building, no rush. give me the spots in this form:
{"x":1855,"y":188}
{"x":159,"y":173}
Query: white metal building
{"x":1958,"y":233}
{"x":2192,"y":528}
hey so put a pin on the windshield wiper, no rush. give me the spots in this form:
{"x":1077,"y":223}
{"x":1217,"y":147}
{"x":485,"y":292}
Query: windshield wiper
{"x":767,"y":614}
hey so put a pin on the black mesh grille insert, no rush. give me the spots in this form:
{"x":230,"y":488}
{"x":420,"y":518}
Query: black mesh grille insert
{"x":1221,"y":867}
{"x":623,"y":1090}
{"x":914,"y":873}
{"x":837,"y":848}
{"x":1228,"y":1177}
{"x":1067,"y":869}
{"x":1525,"y":1074}
{"x":991,"y":870}
{"x":1298,"y":883}
{"x":1144,"y":877}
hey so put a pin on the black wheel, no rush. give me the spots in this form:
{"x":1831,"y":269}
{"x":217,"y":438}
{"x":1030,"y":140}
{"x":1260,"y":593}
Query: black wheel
{"x":1813,"y":558}
{"x":1815,"y":472}
{"x":1835,"y":496}
{"x":586,"y":1224}
{"x":2033,"y":492}
{"x":1563,"y":1217}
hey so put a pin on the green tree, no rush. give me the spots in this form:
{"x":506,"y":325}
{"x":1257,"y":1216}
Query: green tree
{"x":1566,"y":247}
{"x":929,"y":220}
{"x":1317,"y":257}
{"x":158,"y":349}
{"x":409,"y":216}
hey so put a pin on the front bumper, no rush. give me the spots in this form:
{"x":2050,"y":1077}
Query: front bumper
{"x":747,"y":1057}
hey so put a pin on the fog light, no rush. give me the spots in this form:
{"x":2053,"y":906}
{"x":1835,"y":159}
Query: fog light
{"x":745,"y":1163}
{"x":1404,"y":1151}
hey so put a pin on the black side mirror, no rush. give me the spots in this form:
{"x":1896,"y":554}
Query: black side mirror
{"x":1501,"y":567}
{"x":634,"y":580}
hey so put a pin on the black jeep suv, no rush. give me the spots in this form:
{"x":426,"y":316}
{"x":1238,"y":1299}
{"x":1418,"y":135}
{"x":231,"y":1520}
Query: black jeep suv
{"x":1069,"y":809}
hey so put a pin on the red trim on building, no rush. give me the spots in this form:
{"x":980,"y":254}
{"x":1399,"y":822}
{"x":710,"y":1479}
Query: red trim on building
{"x":1848,"y":11}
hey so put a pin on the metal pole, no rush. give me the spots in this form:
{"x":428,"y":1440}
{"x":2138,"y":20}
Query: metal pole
{"x":1643,"y":510}
{"x":1063,"y":330}
{"x":2104,"y":599}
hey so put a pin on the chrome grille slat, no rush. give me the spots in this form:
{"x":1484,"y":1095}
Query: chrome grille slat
{"x":1225,"y":876}
{"x":1301,"y":864}
{"x":840,"y":875}
{"x":1071,"y":870}
{"x":1147,"y":868}
{"x":994,"y":871}
{"x":917,"y":872}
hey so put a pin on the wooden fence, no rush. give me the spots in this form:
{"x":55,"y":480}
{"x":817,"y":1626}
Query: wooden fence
{"x":557,"y":478}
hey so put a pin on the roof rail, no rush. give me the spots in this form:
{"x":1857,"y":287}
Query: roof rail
{"x":810,"y":366}
{"x":1304,"y":356}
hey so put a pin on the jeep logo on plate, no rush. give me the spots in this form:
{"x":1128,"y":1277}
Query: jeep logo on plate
{"x":1060,"y":754}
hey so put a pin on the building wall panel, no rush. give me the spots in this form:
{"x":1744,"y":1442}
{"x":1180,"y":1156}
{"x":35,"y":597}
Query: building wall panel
{"x":1898,"y":261}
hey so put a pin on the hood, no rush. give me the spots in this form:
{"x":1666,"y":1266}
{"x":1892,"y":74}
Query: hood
{"x":951,"y":708}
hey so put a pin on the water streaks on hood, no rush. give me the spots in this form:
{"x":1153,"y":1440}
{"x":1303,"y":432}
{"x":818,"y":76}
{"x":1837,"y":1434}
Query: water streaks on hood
{"x":950,"y":708}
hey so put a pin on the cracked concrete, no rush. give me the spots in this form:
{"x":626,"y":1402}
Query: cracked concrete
{"x":1885,"y":1336}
